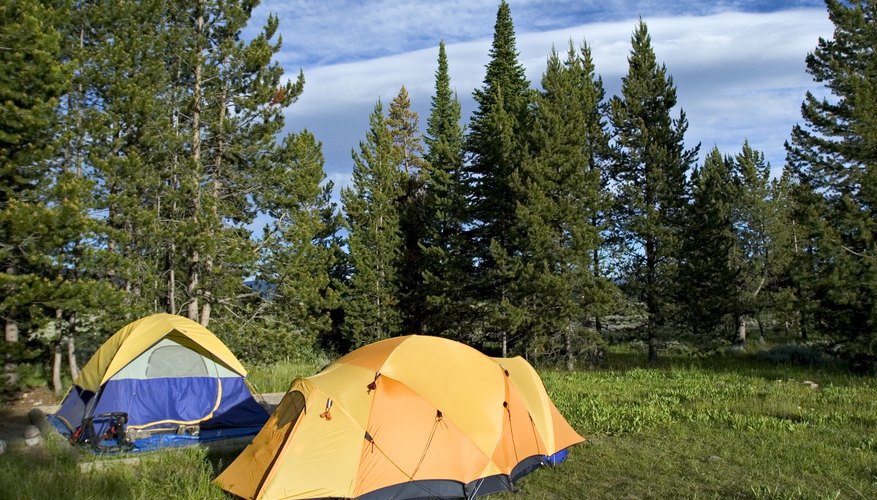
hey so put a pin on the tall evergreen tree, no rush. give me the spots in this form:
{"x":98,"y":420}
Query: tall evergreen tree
{"x":832,"y":157}
{"x":444,"y":267}
{"x":371,"y":305}
{"x":293,"y":284}
{"x":185,"y":120}
{"x":121,"y":134}
{"x":561,"y":197}
{"x":404,"y":128}
{"x":762,"y":253}
{"x":595,"y":129}
{"x":649,"y":179}
{"x":809,"y":240}
{"x":495,"y":146}
{"x":234,"y":110}
{"x":708,"y":269}
{"x":32,"y":227}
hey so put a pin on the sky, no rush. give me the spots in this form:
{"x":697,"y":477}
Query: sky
{"x":738,"y":65}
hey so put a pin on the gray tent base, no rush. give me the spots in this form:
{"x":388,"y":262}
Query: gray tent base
{"x":442,"y":488}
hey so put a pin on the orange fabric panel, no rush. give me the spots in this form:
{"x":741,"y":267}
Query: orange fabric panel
{"x":553,"y":428}
{"x":347,"y":385}
{"x":246,"y":474}
{"x":465,"y":384}
{"x":372,"y":356}
{"x":410,"y":441}
{"x":523,"y":376}
{"x":320,"y":458}
{"x":520,"y":438}
{"x":564,"y":435}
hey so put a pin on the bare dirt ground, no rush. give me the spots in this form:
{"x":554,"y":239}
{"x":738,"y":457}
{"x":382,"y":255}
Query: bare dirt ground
{"x":14,"y":411}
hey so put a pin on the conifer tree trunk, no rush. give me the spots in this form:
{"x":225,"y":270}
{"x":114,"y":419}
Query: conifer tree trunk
{"x":56,"y":367}
{"x":71,"y":347}
{"x":217,"y":193}
{"x":570,"y":356}
{"x":598,"y":323}
{"x":195,"y":258}
{"x":760,"y":329}
{"x":10,"y":367}
{"x":57,"y":356}
{"x":740,"y":337}
{"x":171,"y":279}
{"x":651,"y":300}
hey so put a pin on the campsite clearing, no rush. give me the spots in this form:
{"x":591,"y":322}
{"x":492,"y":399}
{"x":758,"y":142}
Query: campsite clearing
{"x":717,"y":427}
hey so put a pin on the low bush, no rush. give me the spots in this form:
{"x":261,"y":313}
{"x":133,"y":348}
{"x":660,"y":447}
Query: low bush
{"x":796,"y":354}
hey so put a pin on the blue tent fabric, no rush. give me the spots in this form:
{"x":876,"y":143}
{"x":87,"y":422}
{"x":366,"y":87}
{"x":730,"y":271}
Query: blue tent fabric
{"x":558,"y":457}
{"x":160,"y":402}
{"x":165,"y":440}
{"x":169,"y":402}
{"x":160,"y":441}
{"x":237,"y":408}
{"x":72,"y":409}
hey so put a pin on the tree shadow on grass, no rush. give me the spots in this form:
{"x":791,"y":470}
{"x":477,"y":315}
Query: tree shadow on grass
{"x":764,"y":364}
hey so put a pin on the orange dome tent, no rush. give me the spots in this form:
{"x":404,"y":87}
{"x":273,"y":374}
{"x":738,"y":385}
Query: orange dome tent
{"x":407,"y":417}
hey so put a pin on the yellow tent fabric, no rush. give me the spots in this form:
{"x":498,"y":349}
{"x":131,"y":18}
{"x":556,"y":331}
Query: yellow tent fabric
{"x":407,"y":417}
{"x":134,"y":338}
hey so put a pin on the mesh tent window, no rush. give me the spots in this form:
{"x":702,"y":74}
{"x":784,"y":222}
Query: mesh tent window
{"x":175,"y":361}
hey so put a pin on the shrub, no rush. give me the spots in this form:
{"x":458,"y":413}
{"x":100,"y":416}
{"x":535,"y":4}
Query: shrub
{"x":796,"y":354}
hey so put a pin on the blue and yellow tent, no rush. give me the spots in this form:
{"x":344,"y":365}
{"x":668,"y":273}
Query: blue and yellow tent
{"x":169,"y":374}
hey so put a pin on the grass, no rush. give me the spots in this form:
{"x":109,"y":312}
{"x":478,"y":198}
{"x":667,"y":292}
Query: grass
{"x":725,"y":427}
{"x":718,"y":427}
{"x":279,"y":376}
{"x":55,"y":474}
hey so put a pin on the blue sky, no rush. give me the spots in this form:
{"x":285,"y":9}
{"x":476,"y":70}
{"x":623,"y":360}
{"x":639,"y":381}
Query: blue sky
{"x":738,"y":65}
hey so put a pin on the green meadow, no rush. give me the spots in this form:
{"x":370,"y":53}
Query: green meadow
{"x":729,"y":426}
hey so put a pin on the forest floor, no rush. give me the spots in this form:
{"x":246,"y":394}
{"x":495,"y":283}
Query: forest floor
{"x":14,"y":418}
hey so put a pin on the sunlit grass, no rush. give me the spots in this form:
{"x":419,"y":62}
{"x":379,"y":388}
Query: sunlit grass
{"x":279,"y":376}
{"x":55,"y":473}
{"x":724,"y":427}
{"x":733,"y":426}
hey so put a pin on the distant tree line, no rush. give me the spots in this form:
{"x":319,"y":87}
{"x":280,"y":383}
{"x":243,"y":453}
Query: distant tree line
{"x":140,"y":140}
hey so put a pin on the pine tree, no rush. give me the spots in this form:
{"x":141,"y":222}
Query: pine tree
{"x":709,"y":270}
{"x":113,"y":124}
{"x":809,"y":232}
{"x":32,"y":79}
{"x":293,"y":284}
{"x":561,"y":198}
{"x":496,"y":149}
{"x":444,"y":267}
{"x":372,"y":220}
{"x":234,"y":109}
{"x":831,"y":157}
{"x":649,"y":181}
{"x":762,"y":249}
{"x":600,"y":156}
{"x":40,"y":214}
{"x":122,"y":134}
{"x":184,"y":127}
{"x":404,"y":128}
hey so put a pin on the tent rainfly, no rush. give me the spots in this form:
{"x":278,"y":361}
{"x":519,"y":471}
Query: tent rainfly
{"x":407,"y":417}
{"x":167,"y":374}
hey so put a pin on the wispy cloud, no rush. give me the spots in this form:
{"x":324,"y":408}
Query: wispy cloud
{"x":739,"y":76}
{"x":322,"y":32}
